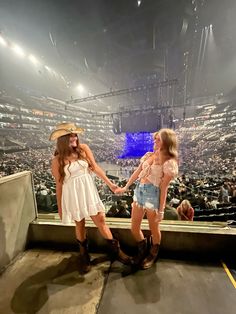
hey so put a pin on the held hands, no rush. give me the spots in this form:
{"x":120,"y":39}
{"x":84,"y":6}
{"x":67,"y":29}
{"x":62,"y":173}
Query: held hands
{"x":116,"y":189}
{"x":120,"y":190}
{"x":113,"y":187}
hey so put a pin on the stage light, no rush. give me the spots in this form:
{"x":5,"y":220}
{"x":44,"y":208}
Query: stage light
{"x":139,"y":2}
{"x":18,"y":50}
{"x":3,"y":41}
{"x":48,"y":69}
{"x":33,"y":59}
{"x":80,"y":87}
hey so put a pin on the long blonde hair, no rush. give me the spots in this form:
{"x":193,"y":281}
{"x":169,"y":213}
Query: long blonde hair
{"x":154,"y":137}
{"x":169,"y":147}
{"x":185,"y":204}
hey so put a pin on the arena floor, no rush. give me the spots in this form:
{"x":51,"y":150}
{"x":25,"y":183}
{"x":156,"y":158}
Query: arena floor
{"x":43,"y":281}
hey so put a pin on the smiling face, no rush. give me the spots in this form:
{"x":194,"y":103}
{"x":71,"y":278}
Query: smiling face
{"x":73,"y":142}
{"x":157,"y":141}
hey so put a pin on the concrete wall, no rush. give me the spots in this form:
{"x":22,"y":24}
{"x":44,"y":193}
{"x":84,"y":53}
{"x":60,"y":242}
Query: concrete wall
{"x":17,"y":210}
{"x":177,"y":240}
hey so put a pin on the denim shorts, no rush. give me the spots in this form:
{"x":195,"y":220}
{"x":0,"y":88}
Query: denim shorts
{"x":147,"y":196}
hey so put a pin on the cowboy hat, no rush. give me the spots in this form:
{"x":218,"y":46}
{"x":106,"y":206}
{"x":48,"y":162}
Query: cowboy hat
{"x":64,"y":129}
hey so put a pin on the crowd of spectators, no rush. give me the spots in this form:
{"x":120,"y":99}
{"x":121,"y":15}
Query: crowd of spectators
{"x":207,"y":166}
{"x":199,"y":182}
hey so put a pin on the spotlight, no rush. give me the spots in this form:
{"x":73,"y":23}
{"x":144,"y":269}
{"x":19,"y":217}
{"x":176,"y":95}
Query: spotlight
{"x":33,"y":59}
{"x":80,"y":87}
{"x":48,"y":69}
{"x":18,"y":50}
{"x":3,"y":41}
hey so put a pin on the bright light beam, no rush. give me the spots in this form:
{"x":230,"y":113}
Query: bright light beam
{"x":3,"y":41}
{"x":204,"y":46}
{"x":33,"y":59}
{"x":81,"y":88}
{"x":18,"y":50}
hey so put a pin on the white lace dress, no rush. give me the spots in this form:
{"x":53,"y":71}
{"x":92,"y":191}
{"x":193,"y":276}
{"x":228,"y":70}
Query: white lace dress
{"x":80,"y":197}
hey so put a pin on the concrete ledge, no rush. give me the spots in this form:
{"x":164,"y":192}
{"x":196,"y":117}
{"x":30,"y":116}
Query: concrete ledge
{"x":177,"y":238}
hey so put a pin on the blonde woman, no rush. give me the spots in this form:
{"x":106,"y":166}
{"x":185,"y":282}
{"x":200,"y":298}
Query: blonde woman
{"x":185,"y":211}
{"x":77,"y":195}
{"x":153,"y":176}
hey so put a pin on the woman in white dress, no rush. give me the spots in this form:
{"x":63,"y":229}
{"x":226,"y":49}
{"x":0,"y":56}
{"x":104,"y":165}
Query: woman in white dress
{"x":153,"y":176}
{"x":77,"y":195}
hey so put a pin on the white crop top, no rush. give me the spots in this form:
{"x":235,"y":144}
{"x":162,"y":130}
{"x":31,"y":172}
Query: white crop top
{"x":154,"y":173}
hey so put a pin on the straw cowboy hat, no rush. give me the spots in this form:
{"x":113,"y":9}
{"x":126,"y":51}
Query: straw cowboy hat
{"x":64,"y":129}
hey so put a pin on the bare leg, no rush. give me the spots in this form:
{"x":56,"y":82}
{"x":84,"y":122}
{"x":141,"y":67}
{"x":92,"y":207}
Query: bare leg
{"x":156,"y":239}
{"x":80,"y":230}
{"x":115,"y":252}
{"x":99,"y":221}
{"x":136,"y":220}
{"x":154,"y":226}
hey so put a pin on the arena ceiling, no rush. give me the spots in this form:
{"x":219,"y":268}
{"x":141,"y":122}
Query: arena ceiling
{"x":108,"y":42}
{"x":109,"y":45}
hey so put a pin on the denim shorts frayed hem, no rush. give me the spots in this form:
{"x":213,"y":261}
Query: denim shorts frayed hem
{"x":147,"y":196}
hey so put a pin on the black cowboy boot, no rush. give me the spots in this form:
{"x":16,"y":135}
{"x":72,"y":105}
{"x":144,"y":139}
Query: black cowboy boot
{"x":142,"y":253}
{"x":116,"y":253}
{"x":84,"y":255}
{"x":152,"y":257}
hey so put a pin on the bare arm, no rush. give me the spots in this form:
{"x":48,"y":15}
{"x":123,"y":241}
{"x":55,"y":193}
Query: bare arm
{"x":96,"y":169}
{"x":170,"y":170}
{"x":163,"y":191}
{"x":133,"y":177}
{"x":131,"y":180}
{"x":56,"y":175}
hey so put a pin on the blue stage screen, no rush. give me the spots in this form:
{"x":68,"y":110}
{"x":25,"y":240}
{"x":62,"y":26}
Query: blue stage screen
{"x":137,"y":144}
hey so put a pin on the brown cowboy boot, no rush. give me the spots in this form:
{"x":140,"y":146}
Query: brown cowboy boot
{"x":142,"y":253}
{"x":116,"y":253}
{"x":84,"y":255}
{"x":152,"y":257}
